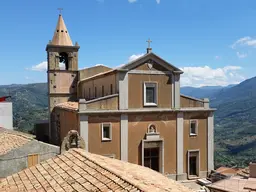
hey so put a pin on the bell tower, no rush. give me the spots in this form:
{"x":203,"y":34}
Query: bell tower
{"x":62,"y":73}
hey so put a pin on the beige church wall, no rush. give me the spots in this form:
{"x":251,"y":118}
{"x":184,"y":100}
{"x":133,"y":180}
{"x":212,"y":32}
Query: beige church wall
{"x":166,"y":126}
{"x":136,"y":90}
{"x":104,"y":80}
{"x":86,"y":73}
{"x":196,"y":142}
{"x":155,"y":67}
{"x":109,"y":103}
{"x":68,"y":121}
{"x":187,"y":102}
{"x":63,"y":81}
{"x":96,"y":145}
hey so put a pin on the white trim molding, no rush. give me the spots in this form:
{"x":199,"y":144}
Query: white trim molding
{"x":84,"y":129}
{"x":198,"y":163}
{"x":124,"y":137}
{"x":156,"y":142}
{"x":177,"y":91}
{"x":109,"y":125}
{"x":123,"y":90}
{"x":155,"y":86}
{"x":149,"y":72}
{"x":180,"y":146}
{"x":210,"y":139}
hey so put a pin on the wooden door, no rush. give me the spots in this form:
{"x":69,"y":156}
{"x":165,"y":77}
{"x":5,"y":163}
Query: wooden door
{"x":32,"y":160}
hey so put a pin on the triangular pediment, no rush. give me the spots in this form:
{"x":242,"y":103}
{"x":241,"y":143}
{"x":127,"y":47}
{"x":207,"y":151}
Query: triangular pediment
{"x":150,"y":61}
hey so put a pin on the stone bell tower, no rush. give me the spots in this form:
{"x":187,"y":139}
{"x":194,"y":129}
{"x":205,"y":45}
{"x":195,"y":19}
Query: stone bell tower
{"x":62,"y":73}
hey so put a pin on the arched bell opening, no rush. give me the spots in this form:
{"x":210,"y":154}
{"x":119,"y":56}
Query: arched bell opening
{"x":63,"y":62}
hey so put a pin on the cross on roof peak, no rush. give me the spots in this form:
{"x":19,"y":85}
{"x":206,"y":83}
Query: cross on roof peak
{"x":60,"y":9}
{"x":149,"y":49}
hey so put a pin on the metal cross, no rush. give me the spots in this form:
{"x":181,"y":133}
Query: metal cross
{"x":60,"y":9}
{"x":149,"y":41}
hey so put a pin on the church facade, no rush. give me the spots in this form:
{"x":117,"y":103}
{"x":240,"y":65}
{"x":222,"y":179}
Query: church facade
{"x":134,"y":113}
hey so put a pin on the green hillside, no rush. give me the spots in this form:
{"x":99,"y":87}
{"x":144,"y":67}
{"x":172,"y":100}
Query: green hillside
{"x":235,"y":120}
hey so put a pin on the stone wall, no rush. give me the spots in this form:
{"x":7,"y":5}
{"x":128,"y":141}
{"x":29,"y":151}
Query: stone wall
{"x":17,"y":159}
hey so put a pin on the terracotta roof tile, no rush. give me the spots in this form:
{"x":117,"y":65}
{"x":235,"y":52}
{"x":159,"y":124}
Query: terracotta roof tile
{"x":68,"y":105}
{"x":77,"y":170}
{"x":10,"y":139}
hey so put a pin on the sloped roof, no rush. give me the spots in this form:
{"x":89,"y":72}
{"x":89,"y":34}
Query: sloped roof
{"x":70,"y":105}
{"x":77,"y":170}
{"x":152,"y":56}
{"x":61,"y":35}
{"x":10,"y":140}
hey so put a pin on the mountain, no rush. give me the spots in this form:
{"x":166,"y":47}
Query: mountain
{"x":30,"y":103}
{"x":235,"y":119}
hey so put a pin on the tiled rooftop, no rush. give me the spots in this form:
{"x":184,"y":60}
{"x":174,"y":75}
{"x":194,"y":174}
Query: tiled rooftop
{"x":68,"y":105}
{"x":77,"y":170}
{"x":11,"y":140}
{"x":235,"y":183}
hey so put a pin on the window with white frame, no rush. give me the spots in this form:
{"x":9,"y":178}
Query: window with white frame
{"x":193,"y":127}
{"x":106,"y":132}
{"x":150,"y":94}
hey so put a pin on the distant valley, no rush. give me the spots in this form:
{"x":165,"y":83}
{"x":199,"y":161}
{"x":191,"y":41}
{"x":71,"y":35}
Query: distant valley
{"x":235,"y":118}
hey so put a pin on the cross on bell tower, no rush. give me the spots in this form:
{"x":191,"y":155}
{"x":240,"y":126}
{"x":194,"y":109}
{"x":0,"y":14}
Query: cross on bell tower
{"x":149,"y":49}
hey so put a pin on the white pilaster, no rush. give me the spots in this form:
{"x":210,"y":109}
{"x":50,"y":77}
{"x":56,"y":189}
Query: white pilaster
{"x":84,"y":129}
{"x":210,"y":125}
{"x":177,"y":91}
{"x":180,"y":147}
{"x":123,"y":90}
{"x":124,"y":137}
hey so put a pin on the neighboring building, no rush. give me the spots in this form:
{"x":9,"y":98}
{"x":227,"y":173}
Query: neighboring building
{"x":237,"y":182}
{"x":134,"y":113}
{"x":78,"y":170}
{"x":6,"y":117}
{"x":19,"y":151}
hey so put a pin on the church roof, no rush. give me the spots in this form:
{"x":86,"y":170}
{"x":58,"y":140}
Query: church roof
{"x":78,"y":170}
{"x":61,"y":35}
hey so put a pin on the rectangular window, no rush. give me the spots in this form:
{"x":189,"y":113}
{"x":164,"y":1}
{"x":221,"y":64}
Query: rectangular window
{"x":111,"y":89}
{"x":193,"y":127}
{"x":106,"y":132}
{"x":150,"y":94}
{"x":95,"y":92}
{"x":102,"y":91}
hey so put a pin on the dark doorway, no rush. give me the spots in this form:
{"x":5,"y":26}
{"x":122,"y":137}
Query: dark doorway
{"x":193,"y":165}
{"x":151,"y":158}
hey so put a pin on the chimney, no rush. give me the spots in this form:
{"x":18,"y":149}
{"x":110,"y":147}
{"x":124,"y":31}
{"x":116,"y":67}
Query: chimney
{"x":252,"y":170}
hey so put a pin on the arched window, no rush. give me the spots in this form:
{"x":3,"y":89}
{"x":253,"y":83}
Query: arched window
{"x":151,"y":128}
{"x":63,"y":64}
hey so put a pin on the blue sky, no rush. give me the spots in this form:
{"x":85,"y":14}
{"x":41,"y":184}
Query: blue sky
{"x":212,"y":41}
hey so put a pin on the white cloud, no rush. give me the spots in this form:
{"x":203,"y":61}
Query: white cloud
{"x":206,"y":76}
{"x":158,"y":1}
{"x":134,"y":57}
{"x":244,"y":41}
{"x":241,"y":55}
{"x":43,"y":66}
{"x":39,"y":67}
{"x":132,"y":1}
